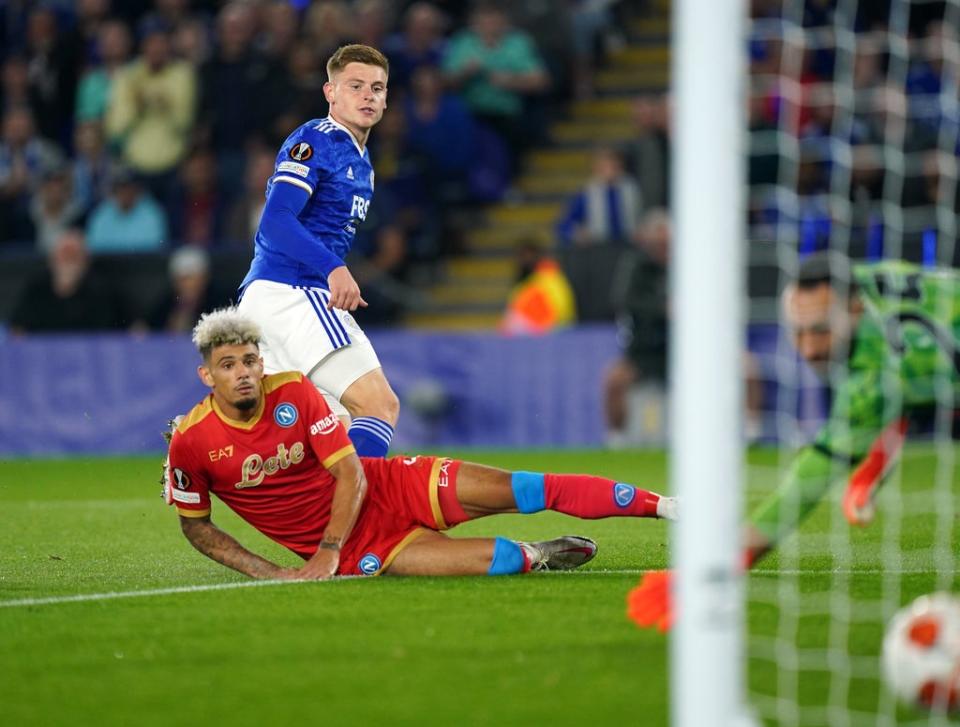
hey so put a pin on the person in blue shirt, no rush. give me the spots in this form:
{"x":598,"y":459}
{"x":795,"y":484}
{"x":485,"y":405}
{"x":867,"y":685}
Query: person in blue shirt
{"x":298,"y":289}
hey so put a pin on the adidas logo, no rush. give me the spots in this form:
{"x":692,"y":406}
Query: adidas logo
{"x":349,"y":172}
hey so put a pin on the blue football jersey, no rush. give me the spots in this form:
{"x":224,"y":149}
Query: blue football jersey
{"x":322,"y":158}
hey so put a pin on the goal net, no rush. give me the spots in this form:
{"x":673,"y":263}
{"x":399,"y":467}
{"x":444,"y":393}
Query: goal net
{"x":852,"y":150}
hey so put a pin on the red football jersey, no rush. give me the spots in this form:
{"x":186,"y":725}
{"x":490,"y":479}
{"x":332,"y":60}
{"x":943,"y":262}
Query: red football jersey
{"x":272,"y":470}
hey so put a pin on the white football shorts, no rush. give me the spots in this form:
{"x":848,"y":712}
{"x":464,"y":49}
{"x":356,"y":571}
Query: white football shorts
{"x":301,"y":334}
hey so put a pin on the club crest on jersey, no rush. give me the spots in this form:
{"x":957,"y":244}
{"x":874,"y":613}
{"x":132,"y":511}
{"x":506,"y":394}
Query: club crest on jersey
{"x":369,"y":564}
{"x":180,"y":479}
{"x":623,"y":494}
{"x":286,"y":414}
{"x":301,"y":152}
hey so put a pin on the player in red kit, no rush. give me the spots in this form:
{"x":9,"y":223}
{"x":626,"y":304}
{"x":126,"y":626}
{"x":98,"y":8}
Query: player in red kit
{"x":270,"y":449}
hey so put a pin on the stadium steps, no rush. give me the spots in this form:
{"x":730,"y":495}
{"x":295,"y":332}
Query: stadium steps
{"x":471,"y":289}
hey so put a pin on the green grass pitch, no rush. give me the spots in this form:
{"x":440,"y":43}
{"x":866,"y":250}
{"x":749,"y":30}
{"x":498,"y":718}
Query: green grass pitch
{"x":538,"y":649}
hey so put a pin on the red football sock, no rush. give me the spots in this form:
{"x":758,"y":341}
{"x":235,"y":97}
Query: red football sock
{"x":592,"y":497}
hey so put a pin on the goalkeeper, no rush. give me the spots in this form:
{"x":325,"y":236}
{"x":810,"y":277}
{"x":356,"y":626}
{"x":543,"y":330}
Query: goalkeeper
{"x":894,"y":328}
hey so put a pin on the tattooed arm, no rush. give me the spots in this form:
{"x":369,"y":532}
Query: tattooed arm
{"x":223,"y":548}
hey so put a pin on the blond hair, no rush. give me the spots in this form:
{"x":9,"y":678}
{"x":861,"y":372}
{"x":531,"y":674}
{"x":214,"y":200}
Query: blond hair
{"x":356,"y":53}
{"x":224,"y":327}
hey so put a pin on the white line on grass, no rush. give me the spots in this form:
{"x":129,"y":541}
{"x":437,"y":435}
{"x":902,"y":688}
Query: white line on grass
{"x":80,"y":597}
{"x":112,"y":595}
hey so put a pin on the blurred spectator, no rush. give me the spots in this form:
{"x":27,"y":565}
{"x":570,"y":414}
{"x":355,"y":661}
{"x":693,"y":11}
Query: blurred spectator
{"x":67,"y":297}
{"x":54,"y":208}
{"x":607,"y":209}
{"x":197,"y":212}
{"x":328,"y":26}
{"x":650,"y":151}
{"x":243,"y":219}
{"x":130,"y":220}
{"x":281,"y":25}
{"x":300,"y":91}
{"x":113,"y":50}
{"x":592,"y":22}
{"x":238,"y":93}
{"x":14,"y":84}
{"x":173,"y":13}
{"x":420,"y":43}
{"x":53,"y":65}
{"x":371,"y":21}
{"x":191,"y":42}
{"x":189,"y":293}
{"x":497,"y":68}
{"x":24,"y":158}
{"x":91,"y":166}
{"x":440,"y":131}
{"x":542,"y":299}
{"x":90,"y":18}
{"x":151,"y":111}
{"x":400,"y":177}
{"x":379,"y":259}
{"x":640,"y":298}
{"x":553,"y":29}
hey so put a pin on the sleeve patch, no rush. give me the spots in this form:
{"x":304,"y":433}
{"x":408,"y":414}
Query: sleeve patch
{"x":301,"y":170}
{"x":301,"y":152}
{"x":189,"y":498}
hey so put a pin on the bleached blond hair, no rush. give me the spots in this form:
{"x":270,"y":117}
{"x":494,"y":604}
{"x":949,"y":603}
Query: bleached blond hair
{"x":224,"y":327}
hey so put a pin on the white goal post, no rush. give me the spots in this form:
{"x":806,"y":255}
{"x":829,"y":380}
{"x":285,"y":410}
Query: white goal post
{"x":708,"y":337}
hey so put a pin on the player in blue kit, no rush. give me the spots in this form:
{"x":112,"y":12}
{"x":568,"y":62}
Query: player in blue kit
{"x":298,"y":289}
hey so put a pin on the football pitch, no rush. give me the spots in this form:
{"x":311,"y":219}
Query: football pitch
{"x":108,"y":616}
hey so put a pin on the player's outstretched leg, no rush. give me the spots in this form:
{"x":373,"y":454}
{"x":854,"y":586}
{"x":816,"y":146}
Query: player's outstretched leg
{"x":482,"y":490}
{"x":435,"y":554}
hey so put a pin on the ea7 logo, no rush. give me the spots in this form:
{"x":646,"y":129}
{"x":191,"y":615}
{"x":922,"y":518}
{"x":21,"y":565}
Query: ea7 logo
{"x":359,"y":209}
{"x":222,"y":453}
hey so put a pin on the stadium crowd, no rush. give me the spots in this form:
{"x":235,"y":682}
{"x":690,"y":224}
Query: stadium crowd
{"x":153,"y":124}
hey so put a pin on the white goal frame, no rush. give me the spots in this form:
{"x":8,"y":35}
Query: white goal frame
{"x":707,"y":345}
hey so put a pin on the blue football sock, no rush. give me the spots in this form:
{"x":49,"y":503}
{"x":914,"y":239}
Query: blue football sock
{"x":528,"y":491}
{"x":507,"y":558}
{"x":371,"y":437}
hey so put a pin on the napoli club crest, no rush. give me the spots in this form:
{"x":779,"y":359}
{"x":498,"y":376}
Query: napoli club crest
{"x":623,"y":494}
{"x":369,"y":564}
{"x":286,"y":414}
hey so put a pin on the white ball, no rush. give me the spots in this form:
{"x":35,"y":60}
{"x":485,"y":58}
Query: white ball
{"x":921,"y":652}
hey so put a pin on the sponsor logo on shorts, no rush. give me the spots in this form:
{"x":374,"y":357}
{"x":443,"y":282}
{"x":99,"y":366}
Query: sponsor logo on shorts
{"x":369,"y":564}
{"x":286,"y":414}
{"x":301,"y":170}
{"x":327,"y":425}
{"x":180,"y":478}
{"x":623,"y":494}
{"x":190,"y":498}
{"x":444,"y":479}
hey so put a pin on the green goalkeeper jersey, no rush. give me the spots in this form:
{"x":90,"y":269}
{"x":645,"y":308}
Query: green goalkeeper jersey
{"x":904,"y":354}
